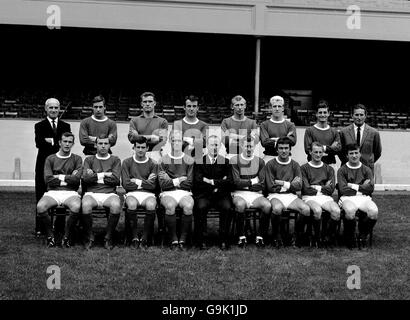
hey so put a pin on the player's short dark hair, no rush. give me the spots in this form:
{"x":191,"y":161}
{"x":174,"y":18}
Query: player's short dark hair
{"x":98,"y":98}
{"x":102,"y":136}
{"x":351,"y":147}
{"x":147,"y":94}
{"x":191,"y":97}
{"x":67,"y":134}
{"x":140,"y":140}
{"x":284,"y":140}
{"x":359,"y":106}
{"x":248,"y":138}
{"x":237,"y":98}
{"x":317,"y":144}
{"x":322,"y":104}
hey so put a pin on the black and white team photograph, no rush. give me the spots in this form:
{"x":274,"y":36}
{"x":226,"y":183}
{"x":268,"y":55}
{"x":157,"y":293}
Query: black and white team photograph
{"x":210,"y":157}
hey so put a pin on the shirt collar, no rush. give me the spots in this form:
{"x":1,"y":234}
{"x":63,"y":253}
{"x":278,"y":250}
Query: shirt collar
{"x":355,"y":127}
{"x":180,"y":157}
{"x":316,"y":166}
{"x":319,"y":128}
{"x":50,"y":120}
{"x":195,"y":122}
{"x":244,"y":118}
{"x":247,"y":159}
{"x":63,"y":157}
{"x":211,"y":158}
{"x":143,"y":161}
{"x":101,"y":158}
{"x":280,"y":121}
{"x":349,"y":166}
{"x":280,"y":162}
{"x":99,"y":120}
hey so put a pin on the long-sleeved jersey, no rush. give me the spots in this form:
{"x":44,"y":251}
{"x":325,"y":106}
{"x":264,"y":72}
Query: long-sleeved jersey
{"x":276,"y":129}
{"x":356,"y":175}
{"x":94,"y":127}
{"x":132,"y":168}
{"x":327,"y":137}
{"x":68,"y":168}
{"x":322,"y":175}
{"x":149,"y":126}
{"x":195,"y":131}
{"x":96,"y":181}
{"x":176,"y":167}
{"x":288,"y":171}
{"x":244,"y":171}
{"x":241,"y":127}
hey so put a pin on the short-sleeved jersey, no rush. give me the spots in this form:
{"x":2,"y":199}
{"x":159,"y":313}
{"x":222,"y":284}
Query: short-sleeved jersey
{"x":245,"y":169}
{"x":288,"y":171}
{"x":176,"y":167}
{"x":326,"y":136}
{"x":322,"y":175}
{"x":356,"y":175}
{"x":276,"y":129}
{"x":243,"y":127}
{"x":148,"y":126}
{"x":133,"y":169}
{"x":98,"y":165}
{"x":70,"y":167}
{"x":94,"y":127}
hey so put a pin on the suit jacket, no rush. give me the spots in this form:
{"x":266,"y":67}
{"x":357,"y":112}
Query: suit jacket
{"x":217,"y":172}
{"x":44,"y":130}
{"x":370,"y":146}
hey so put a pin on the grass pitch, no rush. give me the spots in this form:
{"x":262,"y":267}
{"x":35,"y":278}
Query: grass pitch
{"x":159,"y":273}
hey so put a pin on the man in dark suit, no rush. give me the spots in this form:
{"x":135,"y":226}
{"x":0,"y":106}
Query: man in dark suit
{"x":362,"y":134}
{"x":47,"y":134}
{"x":212,"y":188}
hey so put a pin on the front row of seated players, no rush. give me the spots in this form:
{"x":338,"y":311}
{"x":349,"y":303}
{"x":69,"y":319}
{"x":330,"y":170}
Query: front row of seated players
{"x":271,"y":188}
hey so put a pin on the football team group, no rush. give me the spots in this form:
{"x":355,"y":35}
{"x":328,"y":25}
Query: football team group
{"x":194,"y":177}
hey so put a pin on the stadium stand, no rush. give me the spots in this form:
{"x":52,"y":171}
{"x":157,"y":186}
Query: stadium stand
{"x":122,"y":106}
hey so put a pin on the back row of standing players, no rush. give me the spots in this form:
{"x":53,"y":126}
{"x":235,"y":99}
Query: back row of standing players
{"x":248,"y":179}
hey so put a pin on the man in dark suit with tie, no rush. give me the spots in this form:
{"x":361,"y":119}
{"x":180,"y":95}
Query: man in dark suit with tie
{"x":47,"y":134}
{"x":363,"y":135}
{"x":212,"y":188}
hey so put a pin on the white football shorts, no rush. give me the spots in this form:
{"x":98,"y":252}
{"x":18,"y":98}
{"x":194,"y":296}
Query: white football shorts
{"x":140,"y":196}
{"x":100,"y":198}
{"x":177,"y":195}
{"x":61,"y":195}
{"x":285,"y":198}
{"x":248,"y":196}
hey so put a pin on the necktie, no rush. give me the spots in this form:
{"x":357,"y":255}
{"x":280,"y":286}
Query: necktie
{"x":54,"y":126}
{"x":358,"y":136}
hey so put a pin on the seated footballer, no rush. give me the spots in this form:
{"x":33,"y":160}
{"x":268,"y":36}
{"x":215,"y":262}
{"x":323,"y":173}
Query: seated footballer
{"x":356,"y":185}
{"x":175,"y":176}
{"x":62,"y":173}
{"x":101,"y":176}
{"x":139,"y":179}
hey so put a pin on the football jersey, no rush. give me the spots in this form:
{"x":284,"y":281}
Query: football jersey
{"x":60,"y":165}
{"x":94,"y":127}
{"x":243,"y":127}
{"x":322,"y":175}
{"x":148,"y":126}
{"x":93,"y":182}
{"x":356,"y":175}
{"x":276,"y":129}
{"x":245,"y":169}
{"x":132,"y":168}
{"x":176,"y":167}
{"x":325,"y":136}
{"x":286,"y":171}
